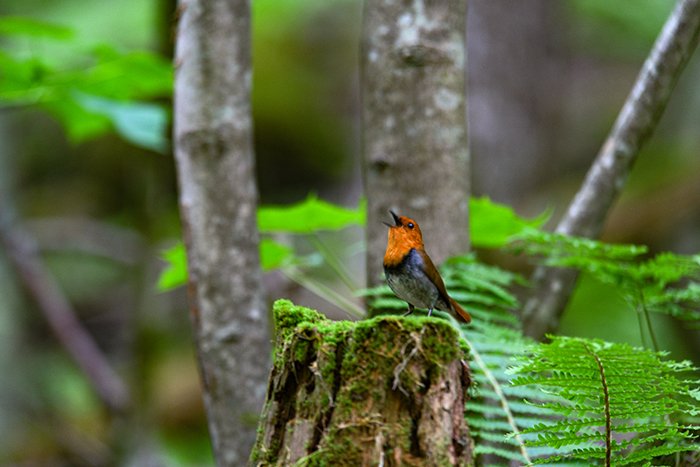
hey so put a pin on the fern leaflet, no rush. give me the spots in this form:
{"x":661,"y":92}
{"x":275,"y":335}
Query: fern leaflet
{"x":623,"y":404}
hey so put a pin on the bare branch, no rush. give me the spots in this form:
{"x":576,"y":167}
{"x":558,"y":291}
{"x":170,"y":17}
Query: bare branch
{"x":88,"y":236}
{"x":607,"y":176}
{"x":42,"y":286}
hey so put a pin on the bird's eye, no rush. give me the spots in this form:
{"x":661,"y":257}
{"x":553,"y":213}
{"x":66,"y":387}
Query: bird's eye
{"x":410,"y":225}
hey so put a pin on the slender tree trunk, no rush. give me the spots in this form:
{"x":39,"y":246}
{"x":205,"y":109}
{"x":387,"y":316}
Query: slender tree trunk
{"x":416,"y":159}
{"x":218,"y":195}
{"x":608,"y":174}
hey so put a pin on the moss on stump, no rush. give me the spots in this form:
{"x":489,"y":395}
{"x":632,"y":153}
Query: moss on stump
{"x":385,"y":391}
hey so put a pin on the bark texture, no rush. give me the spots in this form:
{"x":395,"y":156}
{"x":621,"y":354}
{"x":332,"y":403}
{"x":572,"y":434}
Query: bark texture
{"x":416,"y":159}
{"x":638,"y":118}
{"x":388,"y":391}
{"x":218,"y":197}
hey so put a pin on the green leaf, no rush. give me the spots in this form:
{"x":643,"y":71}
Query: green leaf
{"x":142,"y":124}
{"x":125,"y":75}
{"x":19,"y":26}
{"x":666,"y":283}
{"x":492,"y":225}
{"x":309,"y":216}
{"x":272,"y":256}
{"x":175,"y":273}
{"x":80,"y":123}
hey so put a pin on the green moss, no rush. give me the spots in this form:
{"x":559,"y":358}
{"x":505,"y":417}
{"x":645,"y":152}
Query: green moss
{"x":464,"y":347}
{"x":438,"y":338}
{"x":344,"y":451}
{"x":288,"y":315}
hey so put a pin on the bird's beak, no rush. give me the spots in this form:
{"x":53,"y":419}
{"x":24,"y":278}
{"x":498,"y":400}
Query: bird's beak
{"x":386,"y":223}
{"x":396,"y":218}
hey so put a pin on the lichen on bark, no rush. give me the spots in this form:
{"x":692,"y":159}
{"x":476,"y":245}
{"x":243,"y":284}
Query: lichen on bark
{"x":385,"y":391}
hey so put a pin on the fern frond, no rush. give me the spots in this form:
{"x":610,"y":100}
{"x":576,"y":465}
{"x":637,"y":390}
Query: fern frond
{"x":668,"y":283}
{"x":506,"y":407}
{"x":552,"y":407}
{"x":576,"y":249}
{"x":623,"y":404}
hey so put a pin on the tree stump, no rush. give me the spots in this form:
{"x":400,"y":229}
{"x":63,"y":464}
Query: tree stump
{"x":388,"y":391}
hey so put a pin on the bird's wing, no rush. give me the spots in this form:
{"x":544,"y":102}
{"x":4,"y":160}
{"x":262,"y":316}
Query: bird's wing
{"x":431,"y":271}
{"x":434,"y":275}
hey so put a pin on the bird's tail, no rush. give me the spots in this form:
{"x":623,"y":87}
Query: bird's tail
{"x":460,"y":313}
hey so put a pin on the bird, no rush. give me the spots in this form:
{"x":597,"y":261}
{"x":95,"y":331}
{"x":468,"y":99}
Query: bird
{"x":411,"y":274}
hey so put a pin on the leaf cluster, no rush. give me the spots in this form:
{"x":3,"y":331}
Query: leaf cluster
{"x":91,"y":90}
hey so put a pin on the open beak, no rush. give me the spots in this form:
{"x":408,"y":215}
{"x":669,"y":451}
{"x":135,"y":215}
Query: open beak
{"x":396,"y":220}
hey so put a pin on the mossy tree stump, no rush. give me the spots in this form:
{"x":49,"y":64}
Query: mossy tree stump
{"x":386,"y":391}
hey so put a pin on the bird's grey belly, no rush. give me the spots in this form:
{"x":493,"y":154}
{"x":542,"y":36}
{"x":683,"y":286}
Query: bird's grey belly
{"x":415,"y":288}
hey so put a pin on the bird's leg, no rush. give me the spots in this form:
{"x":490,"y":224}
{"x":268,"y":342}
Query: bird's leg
{"x":410,"y":310}
{"x":432,"y":305}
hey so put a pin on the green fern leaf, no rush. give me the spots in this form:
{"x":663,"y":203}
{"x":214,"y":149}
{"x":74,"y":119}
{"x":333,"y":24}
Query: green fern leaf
{"x":625,"y":411}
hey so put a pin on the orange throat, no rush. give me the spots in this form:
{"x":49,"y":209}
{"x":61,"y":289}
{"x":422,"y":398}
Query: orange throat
{"x":399,"y":244}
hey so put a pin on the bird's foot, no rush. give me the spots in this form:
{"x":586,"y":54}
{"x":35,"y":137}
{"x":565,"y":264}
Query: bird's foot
{"x":410,"y":310}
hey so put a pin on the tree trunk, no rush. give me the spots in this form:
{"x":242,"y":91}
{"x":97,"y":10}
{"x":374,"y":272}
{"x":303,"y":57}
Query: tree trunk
{"x":388,"y":391}
{"x":416,"y":159}
{"x":218,"y":197}
{"x":514,"y":95}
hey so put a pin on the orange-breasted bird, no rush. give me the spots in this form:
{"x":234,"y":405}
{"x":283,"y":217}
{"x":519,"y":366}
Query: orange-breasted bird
{"x":411,"y":273}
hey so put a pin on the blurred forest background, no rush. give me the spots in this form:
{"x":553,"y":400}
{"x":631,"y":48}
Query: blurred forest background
{"x":92,"y":180}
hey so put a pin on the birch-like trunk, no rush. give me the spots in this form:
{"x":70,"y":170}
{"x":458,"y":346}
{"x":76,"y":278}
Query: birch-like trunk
{"x":218,"y":196}
{"x":414,"y":124}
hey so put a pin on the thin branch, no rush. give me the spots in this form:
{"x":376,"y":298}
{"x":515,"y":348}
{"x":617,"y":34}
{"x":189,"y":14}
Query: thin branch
{"x":608,"y":174}
{"x":327,"y":293}
{"x":332,"y":259}
{"x":42,"y":287}
{"x":88,"y":236}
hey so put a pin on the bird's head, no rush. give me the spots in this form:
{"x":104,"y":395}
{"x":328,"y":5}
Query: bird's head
{"x":405,"y":232}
